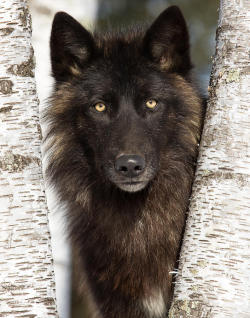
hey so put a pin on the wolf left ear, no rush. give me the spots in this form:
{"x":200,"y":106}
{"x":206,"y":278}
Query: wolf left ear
{"x":167,"y":41}
{"x":71,"y":47}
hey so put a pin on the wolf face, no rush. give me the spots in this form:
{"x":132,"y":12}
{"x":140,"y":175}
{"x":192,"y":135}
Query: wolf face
{"x":125,"y":121}
{"x":124,"y":96}
{"x":121,"y":122}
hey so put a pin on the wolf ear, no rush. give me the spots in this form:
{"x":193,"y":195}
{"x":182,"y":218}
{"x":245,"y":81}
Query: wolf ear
{"x":167,"y":41}
{"x":71,"y":47}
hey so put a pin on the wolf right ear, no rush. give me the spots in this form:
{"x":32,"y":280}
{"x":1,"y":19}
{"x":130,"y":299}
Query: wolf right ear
{"x":167,"y":41}
{"x":71,"y":47}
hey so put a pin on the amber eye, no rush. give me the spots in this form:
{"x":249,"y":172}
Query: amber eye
{"x":151,"y":103}
{"x":100,"y":107}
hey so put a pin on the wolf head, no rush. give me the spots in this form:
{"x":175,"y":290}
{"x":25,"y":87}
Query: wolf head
{"x":123,"y":107}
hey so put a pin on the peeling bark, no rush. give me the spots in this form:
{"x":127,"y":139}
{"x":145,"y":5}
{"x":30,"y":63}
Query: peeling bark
{"x":213,"y":279}
{"x":26,"y":273}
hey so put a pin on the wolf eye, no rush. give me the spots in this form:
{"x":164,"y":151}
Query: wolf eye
{"x":100,"y":107}
{"x":151,"y":103}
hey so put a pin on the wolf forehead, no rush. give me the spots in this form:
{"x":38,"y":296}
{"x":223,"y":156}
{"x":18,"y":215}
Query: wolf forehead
{"x":125,"y":42}
{"x":123,"y":76}
{"x":120,"y":56}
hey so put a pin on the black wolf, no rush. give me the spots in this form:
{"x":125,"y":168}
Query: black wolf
{"x":125,"y":121}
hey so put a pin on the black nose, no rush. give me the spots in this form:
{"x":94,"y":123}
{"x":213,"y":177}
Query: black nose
{"x":130,"y":165}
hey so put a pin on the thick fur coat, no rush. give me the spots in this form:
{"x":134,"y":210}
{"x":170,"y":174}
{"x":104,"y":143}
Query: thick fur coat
{"x":125,"y":122}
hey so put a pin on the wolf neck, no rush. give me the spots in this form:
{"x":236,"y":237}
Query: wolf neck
{"x":129,"y":243}
{"x":142,"y":216}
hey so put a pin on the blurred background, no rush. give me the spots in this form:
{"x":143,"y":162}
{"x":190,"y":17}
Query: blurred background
{"x":201,"y":17}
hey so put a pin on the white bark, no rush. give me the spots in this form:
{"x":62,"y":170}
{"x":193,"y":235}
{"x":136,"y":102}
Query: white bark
{"x":26,"y":271}
{"x":214,"y":274}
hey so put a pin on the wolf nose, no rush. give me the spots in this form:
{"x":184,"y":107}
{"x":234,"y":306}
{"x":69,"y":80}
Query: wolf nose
{"x":130,"y":165}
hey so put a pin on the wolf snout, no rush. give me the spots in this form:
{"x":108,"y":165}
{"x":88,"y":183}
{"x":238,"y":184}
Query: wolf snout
{"x":130,"y":165}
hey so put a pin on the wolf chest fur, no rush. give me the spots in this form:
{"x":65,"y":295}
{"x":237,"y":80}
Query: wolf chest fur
{"x":125,"y":121}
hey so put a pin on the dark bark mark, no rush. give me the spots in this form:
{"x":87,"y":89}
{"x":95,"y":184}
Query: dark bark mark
{"x":10,"y":287}
{"x":25,"y":17}
{"x":6,"y":31}
{"x":5,"y":109}
{"x":189,"y":309}
{"x":25,"y":69}
{"x":225,"y":175}
{"x":15,"y":163}
{"x":49,"y":301}
{"x":39,"y":131}
{"x":222,"y":29}
{"x":6,"y":86}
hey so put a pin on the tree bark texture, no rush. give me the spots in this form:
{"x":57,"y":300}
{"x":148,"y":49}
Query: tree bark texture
{"x":214,"y":273}
{"x":26,"y":272}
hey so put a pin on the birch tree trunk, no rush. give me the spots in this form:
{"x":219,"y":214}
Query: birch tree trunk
{"x":214,"y":274}
{"x":26,"y":271}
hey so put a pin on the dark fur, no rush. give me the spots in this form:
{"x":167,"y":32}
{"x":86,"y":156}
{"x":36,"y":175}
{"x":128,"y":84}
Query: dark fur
{"x":128,"y":242}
